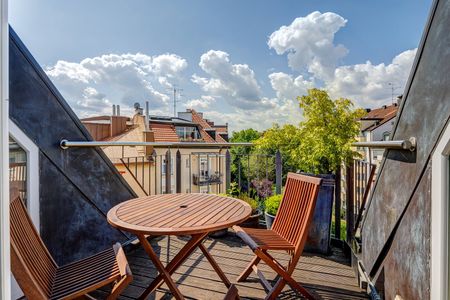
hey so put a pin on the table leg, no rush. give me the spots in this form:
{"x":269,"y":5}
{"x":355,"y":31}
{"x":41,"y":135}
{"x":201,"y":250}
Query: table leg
{"x":184,"y":253}
{"x":215,"y":266}
{"x":165,"y":275}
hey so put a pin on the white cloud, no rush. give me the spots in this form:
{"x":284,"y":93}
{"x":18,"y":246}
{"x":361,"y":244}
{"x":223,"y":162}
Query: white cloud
{"x":203,"y":102}
{"x":310,"y":47}
{"x":236,"y":83}
{"x":309,"y":43}
{"x":368,"y":84}
{"x":288,"y":87}
{"x":120,"y":79}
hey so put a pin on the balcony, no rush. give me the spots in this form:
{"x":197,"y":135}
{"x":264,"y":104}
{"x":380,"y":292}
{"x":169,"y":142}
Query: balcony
{"x":326,"y":277}
{"x":207,"y":180}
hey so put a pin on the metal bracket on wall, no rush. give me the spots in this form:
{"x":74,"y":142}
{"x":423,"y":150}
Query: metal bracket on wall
{"x":409,"y":144}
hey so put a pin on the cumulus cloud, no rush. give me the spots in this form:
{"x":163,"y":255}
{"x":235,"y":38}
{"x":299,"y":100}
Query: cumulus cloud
{"x":236,"y":83}
{"x":203,"y":102}
{"x":288,"y":87}
{"x":119,"y":79}
{"x":309,"y":43}
{"x":369,"y":84}
{"x":311,"y":50}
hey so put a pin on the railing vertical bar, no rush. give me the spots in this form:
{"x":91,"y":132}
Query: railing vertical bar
{"x":190,"y":173}
{"x":248,"y":174}
{"x":350,"y":195}
{"x":143,"y":172}
{"x":337,"y":204}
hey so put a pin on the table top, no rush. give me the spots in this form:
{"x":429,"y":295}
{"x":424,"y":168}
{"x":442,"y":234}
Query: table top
{"x":178,"y":214}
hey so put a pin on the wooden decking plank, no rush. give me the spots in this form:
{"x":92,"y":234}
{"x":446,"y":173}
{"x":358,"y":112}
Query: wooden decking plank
{"x":327,"y":277}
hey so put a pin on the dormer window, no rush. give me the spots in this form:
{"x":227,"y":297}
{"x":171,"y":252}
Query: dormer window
{"x":187,"y":133}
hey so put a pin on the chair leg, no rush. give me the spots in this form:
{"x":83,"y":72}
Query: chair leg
{"x":119,"y":286}
{"x":286,"y":277}
{"x":249,"y":269}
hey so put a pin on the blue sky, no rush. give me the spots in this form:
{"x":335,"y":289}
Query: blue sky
{"x":230,"y":57}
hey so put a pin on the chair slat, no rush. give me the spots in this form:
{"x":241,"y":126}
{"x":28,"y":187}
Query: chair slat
{"x":40,"y":277}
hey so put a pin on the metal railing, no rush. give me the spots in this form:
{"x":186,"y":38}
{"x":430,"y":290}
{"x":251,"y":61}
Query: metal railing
{"x":409,"y":144}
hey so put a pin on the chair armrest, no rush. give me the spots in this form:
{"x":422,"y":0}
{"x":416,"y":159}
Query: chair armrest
{"x":122,"y":261}
{"x":245,"y":237}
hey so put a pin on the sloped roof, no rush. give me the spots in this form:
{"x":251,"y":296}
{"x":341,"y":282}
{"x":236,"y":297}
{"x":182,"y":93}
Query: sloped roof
{"x":380,"y":115}
{"x":164,"y":132}
{"x":198,"y":119}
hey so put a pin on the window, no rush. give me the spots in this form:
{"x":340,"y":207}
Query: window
{"x":18,"y":169}
{"x":163,"y":167}
{"x":440,"y":216}
{"x":187,"y":133}
{"x":386,"y":136}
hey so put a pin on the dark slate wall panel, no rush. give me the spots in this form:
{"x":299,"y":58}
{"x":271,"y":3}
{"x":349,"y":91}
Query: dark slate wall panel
{"x":423,"y":115}
{"x":70,"y":222}
{"x":407,"y":266}
{"x":41,"y":112}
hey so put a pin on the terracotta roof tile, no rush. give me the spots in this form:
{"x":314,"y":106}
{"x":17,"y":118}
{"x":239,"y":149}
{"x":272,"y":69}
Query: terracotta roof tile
{"x":164,"y":132}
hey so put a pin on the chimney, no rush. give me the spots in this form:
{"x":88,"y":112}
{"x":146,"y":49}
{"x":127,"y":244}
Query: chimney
{"x":114,"y":110}
{"x":399,"y":100}
{"x":147,"y":116}
{"x":118,"y":110}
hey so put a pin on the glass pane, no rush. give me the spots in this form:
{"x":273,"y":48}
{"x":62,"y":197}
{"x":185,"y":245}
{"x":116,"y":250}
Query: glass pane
{"x":18,"y":169}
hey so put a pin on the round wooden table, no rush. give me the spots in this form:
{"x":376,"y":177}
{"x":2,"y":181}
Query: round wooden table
{"x":178,"y":214}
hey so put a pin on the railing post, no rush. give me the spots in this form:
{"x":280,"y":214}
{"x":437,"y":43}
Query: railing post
{"x":350,"y":203}
{"x":168,"y":174}
{"x":228,"y":170}
{"x":278,"y":172}
{"x":337,"y":204}
{"x":178,"y":170}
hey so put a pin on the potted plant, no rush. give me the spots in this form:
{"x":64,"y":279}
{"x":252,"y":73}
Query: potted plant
{"x":327,"y":132}
{"x":272,"y":203}
{"x":253,"y":220}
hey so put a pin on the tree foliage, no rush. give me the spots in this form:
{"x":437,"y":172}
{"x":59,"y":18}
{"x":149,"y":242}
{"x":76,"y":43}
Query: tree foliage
{"x":241,"y":156}
{"x":286,"y":139}
{"x":327,"y":132}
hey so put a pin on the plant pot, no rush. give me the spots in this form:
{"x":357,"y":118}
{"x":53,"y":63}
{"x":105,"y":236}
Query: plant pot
{"x":219,"y":233}
{"x":319,"y":235}
{"x":252,"y":221}
{"x":269,"y":220}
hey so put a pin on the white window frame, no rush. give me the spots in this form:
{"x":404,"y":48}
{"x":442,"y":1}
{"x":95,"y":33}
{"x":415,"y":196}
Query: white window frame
{"x":32,"y":152}
{"x":5,"y":259}
{"x":439,"y":218}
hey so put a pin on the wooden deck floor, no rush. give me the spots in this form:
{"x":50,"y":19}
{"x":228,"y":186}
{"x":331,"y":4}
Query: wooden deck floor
{"x":328,"y":277}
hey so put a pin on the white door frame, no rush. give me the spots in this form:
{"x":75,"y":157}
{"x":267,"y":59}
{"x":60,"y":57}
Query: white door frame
{"x":32,"y":171}
{"x":5,"y":277}
{"x":439,"y":218}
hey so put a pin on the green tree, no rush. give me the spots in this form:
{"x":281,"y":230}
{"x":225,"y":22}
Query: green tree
{"x":284,"y":138}
{"x":239,"y":154}
{"x":327,"y":132}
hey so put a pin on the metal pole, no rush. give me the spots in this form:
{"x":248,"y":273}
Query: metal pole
{"x":168,"y":172}
{"x":228,"y":170}
{"x":65,"y":144}
{"x":278,"y":172}
{"x":190,"y":173}
{"x":337,"y":204}
{"x":178,"y":171}
{"x":350,"y":202}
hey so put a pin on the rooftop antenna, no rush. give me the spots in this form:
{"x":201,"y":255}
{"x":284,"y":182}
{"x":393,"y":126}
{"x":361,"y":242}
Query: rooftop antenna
{"x":176,"y":92}
{"x":393,"y":88}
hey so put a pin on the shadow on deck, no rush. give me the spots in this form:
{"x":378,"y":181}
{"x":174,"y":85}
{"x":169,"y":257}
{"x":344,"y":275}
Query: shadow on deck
{"x":327,"y":277}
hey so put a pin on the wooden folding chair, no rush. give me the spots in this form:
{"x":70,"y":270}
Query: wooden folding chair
{"x":288,"y":233}
{"x":40,"y":277}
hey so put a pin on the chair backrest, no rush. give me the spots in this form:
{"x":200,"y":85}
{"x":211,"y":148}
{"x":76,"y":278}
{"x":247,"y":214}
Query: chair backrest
{"x":31,"y":263}
{"x":297,"y":208}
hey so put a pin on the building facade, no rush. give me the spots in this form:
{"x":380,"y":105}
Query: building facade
{"x":187,"y":168}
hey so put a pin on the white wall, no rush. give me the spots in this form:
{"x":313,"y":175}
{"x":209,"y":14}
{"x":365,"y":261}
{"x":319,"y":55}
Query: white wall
{"x":5,"y":278}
